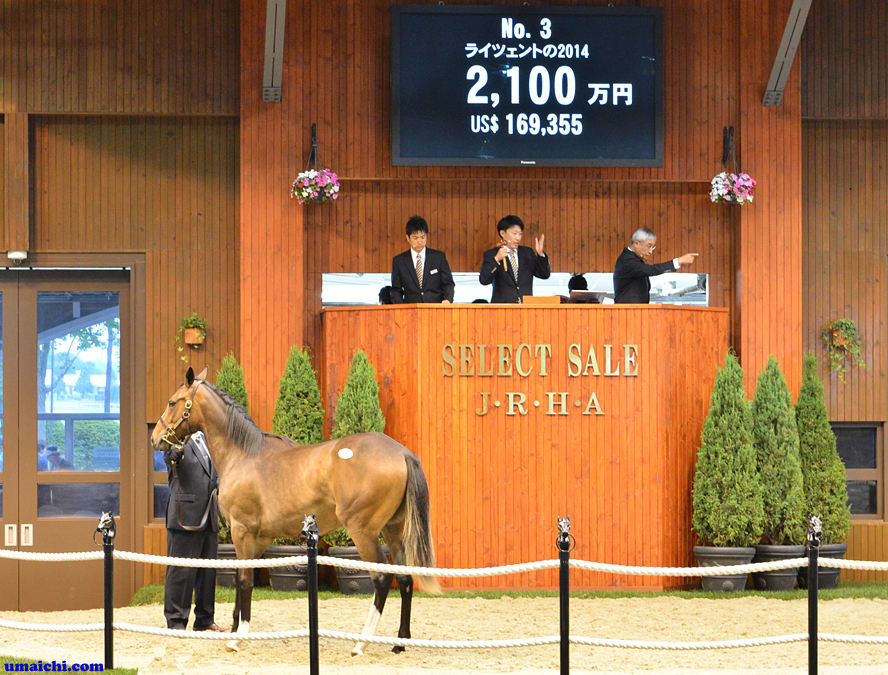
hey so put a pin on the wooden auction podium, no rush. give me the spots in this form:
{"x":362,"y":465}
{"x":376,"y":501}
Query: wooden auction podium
{"x":524,"y":413}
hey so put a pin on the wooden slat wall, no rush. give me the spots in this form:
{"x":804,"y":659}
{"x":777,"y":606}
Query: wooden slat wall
{"x":166,"y":186}
{"x":845,"y":167}
{"x":846,"y":240}
{"x":272,"y":247}
{"x":154,"y":542}
{"x":844,"y":52}
{"x":499,"y":482}
{"x":770,"y":293}
{"x":16,"y":205}
{"x":2,"y":179}
{"x":868,"y":540}
{"x":116,"y":56}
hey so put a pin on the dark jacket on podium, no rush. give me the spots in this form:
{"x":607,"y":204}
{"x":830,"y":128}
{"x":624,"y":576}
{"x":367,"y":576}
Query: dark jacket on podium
{"x":632,"y":282}
{"x":505,"y":288}
{"x":437,"y":280}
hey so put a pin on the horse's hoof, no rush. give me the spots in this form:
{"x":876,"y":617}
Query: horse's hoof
{"x":397,"y":649}
{"x":231,"y":646}
{"x":357,"y":651}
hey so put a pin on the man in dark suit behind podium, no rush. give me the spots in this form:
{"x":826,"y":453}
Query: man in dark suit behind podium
{"x":421,"y":274}
{"x":192,"y":522}
{"x":632,"y":275}
{"x":511,"y":267}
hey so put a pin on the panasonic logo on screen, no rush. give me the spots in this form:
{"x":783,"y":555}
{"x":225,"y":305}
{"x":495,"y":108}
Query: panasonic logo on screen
{"x":527,"y":161}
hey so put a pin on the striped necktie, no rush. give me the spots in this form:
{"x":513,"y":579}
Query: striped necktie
{"x":513,"y":260}
{"x":419,"y":268}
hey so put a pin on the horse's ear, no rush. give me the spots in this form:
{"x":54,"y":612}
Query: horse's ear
{"x":203,"y":374}
{"x":189,"y":376}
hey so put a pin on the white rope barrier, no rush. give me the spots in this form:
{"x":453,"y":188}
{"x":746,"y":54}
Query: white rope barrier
{"x":52,"y":557}
{"x":52,"y":627}
{"x":690,"y":571}
{"x":446,"y":644}
{"x":301,"y":560}
{"x":217,"y":563}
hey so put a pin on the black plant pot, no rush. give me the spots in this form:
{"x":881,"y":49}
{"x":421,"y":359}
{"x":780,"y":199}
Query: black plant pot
{"x":827,"y":577}
{"x":291,"y":577}
{"x":352,"y":581}
{"x":776,"y":580}
{"x":226,"y":576}
{"x":720,"y":556}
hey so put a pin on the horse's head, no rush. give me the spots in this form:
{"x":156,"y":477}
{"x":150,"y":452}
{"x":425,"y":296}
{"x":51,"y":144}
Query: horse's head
{"x":181,"y":417}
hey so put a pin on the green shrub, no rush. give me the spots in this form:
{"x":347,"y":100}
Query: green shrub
{"x":776,"y":442}
{"x":298,"y":413}
{"x":727,"y":495}
{"x":823,"y":472}
{"x":357,"y":408}
{"x":230,"y":379}
{"x":357,"y":411}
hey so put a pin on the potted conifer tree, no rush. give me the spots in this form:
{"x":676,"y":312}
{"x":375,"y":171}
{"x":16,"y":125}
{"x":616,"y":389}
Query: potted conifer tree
{"x":230,"y":379}
{"x":823,"y":473}
{"x":298,"y":414}
{"x":357,"y":411}
{"x":776,"y":442}
{"x":728,"y":514}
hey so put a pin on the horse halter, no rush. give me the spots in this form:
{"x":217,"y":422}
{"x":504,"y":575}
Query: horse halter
{"x":169,"y":437}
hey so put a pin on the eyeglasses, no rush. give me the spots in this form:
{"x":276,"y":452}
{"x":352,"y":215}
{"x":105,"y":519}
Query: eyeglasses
{"x":651,"y":247}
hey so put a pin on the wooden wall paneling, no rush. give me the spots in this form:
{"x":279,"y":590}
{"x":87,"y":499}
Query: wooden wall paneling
{"x":16,"y":182}
{"x":770,"y":149}
{"x":844,"y":52}
{"x":108,"y":56}
{"x":166,"y":186}
{"x":2,"y":172}
{"x":845,"y":231}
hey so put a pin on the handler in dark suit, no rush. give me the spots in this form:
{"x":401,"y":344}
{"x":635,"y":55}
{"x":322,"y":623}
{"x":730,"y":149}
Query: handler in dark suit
{"x":632,"y":274}
{"x":421,"y":274}
{"x":512,"y":267}
{"x":192,"y":532}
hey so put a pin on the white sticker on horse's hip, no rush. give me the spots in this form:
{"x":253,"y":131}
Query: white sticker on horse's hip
{"x":345,"y":453}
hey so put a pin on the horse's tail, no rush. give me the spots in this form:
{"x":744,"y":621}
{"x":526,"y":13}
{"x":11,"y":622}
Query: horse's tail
{"x":419,"y":550}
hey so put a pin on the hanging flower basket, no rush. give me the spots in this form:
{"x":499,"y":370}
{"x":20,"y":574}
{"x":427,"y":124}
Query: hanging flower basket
{"x":315,"y":186}
{"x":732,"y":188}
{"x":842,"y":340}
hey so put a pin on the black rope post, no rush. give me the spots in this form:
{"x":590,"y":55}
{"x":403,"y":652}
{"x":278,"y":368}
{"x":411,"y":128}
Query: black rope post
{"x":310,"y":532}
{"x":564,"y":547}
{"x":107,"y":527}
{"x":815,"y":532}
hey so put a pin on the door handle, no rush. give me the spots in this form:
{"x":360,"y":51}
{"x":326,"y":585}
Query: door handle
{"x":27,"y":534}
{"x":11,"y":535}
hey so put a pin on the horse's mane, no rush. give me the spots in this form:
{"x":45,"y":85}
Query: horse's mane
{"x":241,"y":428}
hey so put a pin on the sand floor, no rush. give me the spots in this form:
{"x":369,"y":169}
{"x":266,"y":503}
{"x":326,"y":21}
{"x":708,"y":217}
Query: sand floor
{"x":656,"y":618}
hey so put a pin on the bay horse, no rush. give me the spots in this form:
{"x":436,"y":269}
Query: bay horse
{"x":368,"y":483}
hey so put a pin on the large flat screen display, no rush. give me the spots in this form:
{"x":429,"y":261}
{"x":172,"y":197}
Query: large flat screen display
{"x":527,"y":86}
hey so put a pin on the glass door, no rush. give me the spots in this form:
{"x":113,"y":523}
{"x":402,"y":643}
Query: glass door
{"x":74,"y":458}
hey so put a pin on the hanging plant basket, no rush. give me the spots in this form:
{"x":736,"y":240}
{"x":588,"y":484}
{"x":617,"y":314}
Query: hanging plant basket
{"x":192,"y":333}
{"x":842,"y":341}
{"x":194,"y":337}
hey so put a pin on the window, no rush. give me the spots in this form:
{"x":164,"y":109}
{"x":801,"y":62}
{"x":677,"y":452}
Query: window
{"x":858,"y":445}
